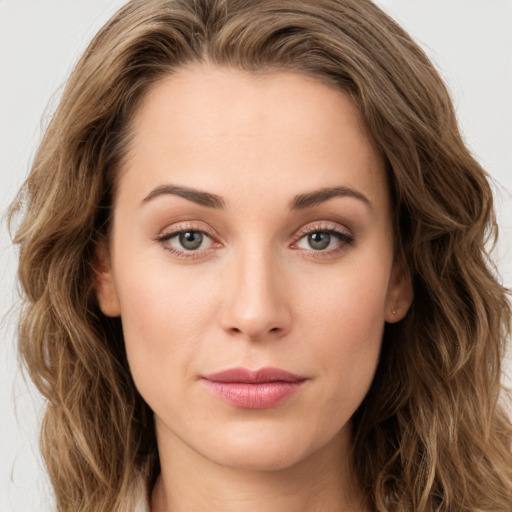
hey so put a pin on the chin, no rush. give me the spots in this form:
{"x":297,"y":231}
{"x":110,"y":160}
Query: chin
{"x":258,"y":457}
{"x":262,"y":449}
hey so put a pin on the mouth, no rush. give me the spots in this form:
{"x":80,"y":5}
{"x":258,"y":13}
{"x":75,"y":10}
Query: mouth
{"x":254,"y":389}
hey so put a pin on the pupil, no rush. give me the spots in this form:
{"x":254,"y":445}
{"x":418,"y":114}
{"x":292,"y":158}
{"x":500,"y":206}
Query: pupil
{"x":191,"y":240}
{"x":319,"y":241}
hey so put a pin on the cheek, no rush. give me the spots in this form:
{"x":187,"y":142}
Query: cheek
{"x":344,"y":320}
{"x":165,"y":314}
{"x":348,"y":302}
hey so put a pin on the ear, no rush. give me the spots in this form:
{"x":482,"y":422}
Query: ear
{"x":103,"y":281}
{"x":400,"y":294}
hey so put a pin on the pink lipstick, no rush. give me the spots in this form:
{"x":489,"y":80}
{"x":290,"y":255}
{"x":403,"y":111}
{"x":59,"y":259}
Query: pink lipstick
{"x":258,"y":389}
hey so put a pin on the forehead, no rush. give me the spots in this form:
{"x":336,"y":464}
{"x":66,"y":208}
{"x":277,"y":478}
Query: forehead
{"x":212,"y":126}
{"x":198,"y":96}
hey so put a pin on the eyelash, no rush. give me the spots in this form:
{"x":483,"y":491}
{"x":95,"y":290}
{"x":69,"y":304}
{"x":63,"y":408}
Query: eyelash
{"x":344,"y":238}
{"x":190,"y":254}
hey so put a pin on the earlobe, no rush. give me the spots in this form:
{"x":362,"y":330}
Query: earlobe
{"x":103,"y":282}
{"x":400,"y":294}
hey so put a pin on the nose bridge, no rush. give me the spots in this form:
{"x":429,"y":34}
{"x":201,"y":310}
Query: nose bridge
{"x":256,"y":306}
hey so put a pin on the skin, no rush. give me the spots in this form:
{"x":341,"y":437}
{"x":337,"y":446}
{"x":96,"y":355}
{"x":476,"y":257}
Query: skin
{"x":255,"y":293}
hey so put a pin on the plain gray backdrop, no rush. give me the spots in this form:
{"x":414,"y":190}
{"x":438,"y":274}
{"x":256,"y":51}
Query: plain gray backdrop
{"x":470,"y":42}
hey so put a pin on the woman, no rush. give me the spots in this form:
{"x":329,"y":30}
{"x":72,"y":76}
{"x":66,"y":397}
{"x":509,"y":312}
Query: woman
{"x":253,"y":252}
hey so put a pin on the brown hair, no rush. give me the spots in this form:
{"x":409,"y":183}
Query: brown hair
{"x":430,"y":434}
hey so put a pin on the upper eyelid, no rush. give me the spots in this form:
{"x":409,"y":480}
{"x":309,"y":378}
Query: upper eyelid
{"x":169,"y":232}
{"x":322,"y":226}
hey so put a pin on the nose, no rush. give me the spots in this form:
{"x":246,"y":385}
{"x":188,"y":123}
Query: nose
{"x":257,"y":299}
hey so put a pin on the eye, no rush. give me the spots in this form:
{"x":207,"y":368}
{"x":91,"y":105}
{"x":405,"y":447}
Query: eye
{"x":318,"y":241}
{"x":190,"y":240}
{"x":187,"y":240}
{"x":325,"y":239}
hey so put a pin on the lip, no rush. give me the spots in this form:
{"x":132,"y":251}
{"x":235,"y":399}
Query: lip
{"x":253,"y":389}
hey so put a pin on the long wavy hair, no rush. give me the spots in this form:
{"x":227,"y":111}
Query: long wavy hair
{"x":432,"y":433}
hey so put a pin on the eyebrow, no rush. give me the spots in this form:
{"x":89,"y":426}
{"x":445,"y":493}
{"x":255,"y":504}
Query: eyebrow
{"x":310,"y":199}
{"x":191,"y":194}
{"x":299,"y":202}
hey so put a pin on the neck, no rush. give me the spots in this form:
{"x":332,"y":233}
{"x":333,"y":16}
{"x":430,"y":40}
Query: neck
{"x":319,"y":483}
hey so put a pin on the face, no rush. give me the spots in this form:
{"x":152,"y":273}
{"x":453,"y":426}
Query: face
{"x":252,"y":265}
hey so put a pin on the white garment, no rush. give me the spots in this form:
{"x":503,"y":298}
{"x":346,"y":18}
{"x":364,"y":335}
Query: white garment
{"x":142,"y":504}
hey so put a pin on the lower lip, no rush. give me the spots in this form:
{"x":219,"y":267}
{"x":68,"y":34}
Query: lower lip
{"x":253,"y":396}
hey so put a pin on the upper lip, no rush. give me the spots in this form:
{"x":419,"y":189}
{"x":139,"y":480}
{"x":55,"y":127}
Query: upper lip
{"x":246,"y":376}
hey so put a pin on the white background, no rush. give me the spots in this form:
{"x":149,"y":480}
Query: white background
{"x":469,"y":40}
